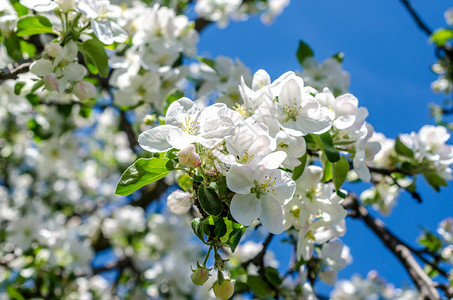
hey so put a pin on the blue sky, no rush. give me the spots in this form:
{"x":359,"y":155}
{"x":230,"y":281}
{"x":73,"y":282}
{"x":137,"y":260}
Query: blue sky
{"x":389,"y":62}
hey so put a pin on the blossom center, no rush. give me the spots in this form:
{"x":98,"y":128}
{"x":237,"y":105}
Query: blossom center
{"x":189,"y":126}
{"x":292,"y":111}
{"x":264,"y":188}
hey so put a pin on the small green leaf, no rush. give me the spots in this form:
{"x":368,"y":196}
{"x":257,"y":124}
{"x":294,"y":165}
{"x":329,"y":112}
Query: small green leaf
{"x":197,"y":227}
{"x":327,"y":166}
{"x":19,"y":8}
{"x":33,"y":24}
{"x":324,"y":141}
{"x":209,"y":200}
{"x":299,"y":170}
{"x":430,"y":241}
{"x":144,"y":171}
{"x":273,"y":276}
{"x":12,"y":45}
{"x":14,"y":293}
{"x":340,"y":172}
{"x":303,"y":52}
{"x":258,"y":286}
{"x":441,"y":36}
{"x":220,"y":228}
{"x":434,"y":180}
{"x":18,"y":87}
{"x":402,"y":149}
{"x":338,"y":57}
{"x":94,"y":52}
{"x":208,"y":61}
{"x":185,"y":182}
{"x":235,"y":237}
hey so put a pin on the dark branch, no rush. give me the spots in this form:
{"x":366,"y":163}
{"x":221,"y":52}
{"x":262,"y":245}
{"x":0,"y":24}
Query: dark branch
{"x":424,"y":284}
{"x":422,"y":25}
{"x":13,"y":70}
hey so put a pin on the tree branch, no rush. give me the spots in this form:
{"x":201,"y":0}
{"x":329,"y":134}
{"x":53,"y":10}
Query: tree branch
{"x":424,"y":284}
{"x":422,"y":25}
{"x":13,"y":70}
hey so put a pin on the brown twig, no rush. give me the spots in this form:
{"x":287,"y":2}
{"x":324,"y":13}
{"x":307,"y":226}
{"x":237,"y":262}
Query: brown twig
{"x":14,"y":69}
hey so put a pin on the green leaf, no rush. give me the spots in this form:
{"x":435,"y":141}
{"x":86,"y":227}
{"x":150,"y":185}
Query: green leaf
{"x":338,"y":57}
{"x":33,"y":24}
{"x":197,"y":227}
{"x":299,"y":170}
{"x":402,"y":149}
{"x":19,"y":8}
{"x":434,"y":180}
{"x":185,"y":182}
{"x":94,"y":52}
{"x":208,"y":61}
{"x":441,"y":36}
{"x":144,"y":171}
{"x":324,"y":141}
{"x":14,"y":293}
{"x":18,"y":87}
{"x":303,"y":52}
{"x":273,"y":276}
{"x":12,"y":45}
{"x":340,"y":172}
{"x":209,"y":200}
{"x":235,"y":237}
{"x":327,"y":166}
{"x":258,"y":286}
{"x":220,"y":228}
{"x":28,"y":48}
{"x":430,"y":241}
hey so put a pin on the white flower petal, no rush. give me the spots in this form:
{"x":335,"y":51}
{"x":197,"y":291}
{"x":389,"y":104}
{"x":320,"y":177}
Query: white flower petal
{"x":108,"y":32}
{"x":239,"y":179}
{"x":155,"y":139}
{"x":39,"y":5}
{"x":245,"y":208}
{"x":271,"y":215}
{"x":273,"y":160}
{"x":180,"y":111}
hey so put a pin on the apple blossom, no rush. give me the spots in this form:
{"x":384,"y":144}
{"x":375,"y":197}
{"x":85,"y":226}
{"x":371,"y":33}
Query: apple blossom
{"x":260,"y":193}
{"x":105,"y":30}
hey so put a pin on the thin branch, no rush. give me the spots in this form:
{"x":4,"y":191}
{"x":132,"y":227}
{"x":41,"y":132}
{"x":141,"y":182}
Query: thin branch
{"x":422,"y":25}
{"x":13,"y":70}
{"x":258,"y":260}
{"x":424,"y":284}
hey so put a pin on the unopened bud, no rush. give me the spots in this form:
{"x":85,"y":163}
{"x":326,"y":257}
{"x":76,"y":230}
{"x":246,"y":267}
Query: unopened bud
{"x":179,"y":202}
{"x":51,"y":82}
{"x":84,"y":90}
{"x":53,"y":49}
{"x":189,"y":157}
{"x":200,"y":275}
{"x":150,"y":119}
{"x":66,"y":5}
{"x":224,"y":290}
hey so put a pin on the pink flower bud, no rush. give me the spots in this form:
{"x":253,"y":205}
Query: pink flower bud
{"x":84,"y":90}
{"x":225,"y":290}
{"x":51,"y":82}
{"x":200,"y":276}
{"x":189,"y":157}
{"x":53,"y":49}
